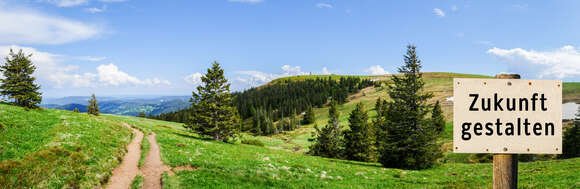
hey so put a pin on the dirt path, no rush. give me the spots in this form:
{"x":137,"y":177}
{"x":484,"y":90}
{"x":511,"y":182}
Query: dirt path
{"x":153,"y":167}
{"x":124,"y":174}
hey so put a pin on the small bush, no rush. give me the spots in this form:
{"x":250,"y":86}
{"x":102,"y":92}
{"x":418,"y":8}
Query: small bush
{"x":254,"y":142}
{"x":1,"y":126}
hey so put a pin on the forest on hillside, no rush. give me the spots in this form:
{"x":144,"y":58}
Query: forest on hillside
{"x":286,"y":98}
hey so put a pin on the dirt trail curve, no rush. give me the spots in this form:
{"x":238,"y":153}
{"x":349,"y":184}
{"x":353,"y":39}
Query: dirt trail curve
{"x":153,"y":167}
{"x":124,"y":174}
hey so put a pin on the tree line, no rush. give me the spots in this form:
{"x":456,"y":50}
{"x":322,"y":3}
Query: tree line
{"x":275,"y":108}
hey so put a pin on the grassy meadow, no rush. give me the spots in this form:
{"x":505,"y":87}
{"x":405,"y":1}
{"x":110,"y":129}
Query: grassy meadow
{"x":224,"y":165}
{"x":58,"y":149}
{"x":62,"y":149}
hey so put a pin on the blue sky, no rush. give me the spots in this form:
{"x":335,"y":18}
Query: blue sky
{"x":146,"y":47}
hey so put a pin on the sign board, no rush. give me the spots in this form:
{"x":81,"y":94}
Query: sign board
{"x":509,"y":116}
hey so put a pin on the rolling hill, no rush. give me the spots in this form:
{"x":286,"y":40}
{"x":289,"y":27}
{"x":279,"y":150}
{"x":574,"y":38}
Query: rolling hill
{"x":49,"y":148}
{"x":57,"y":148}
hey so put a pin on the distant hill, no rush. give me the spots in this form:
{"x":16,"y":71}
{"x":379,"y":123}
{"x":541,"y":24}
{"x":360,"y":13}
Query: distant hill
{"x":121,"y":105}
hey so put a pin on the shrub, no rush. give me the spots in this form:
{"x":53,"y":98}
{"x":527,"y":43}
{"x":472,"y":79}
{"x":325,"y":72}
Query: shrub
{"x":254,"y":142}
{"x":1,"y":126}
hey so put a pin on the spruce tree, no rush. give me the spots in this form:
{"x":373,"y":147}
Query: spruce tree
{"x":327,"y":142}
{"x":93,"y":107}
{"x":379,"y":107}
{"x":409,"y":140}
{"x":437,"y":118}
{"x":76,"y":110}
{"x":571,"y":140}
{"x":309,"y":116}
{"x":142,"y":114}
{"x":18,"y":83}
{"x":213,"y":113}
{"x":359,"y":144}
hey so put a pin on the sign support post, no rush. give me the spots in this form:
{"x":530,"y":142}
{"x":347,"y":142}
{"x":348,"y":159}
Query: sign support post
{"x":505,"y":166}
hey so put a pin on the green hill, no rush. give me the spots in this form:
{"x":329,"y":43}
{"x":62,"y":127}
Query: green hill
{"x":55,"y":149}
{"x":61,"y":149}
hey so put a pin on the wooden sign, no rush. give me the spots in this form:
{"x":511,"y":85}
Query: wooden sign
{"x":510,"y":116}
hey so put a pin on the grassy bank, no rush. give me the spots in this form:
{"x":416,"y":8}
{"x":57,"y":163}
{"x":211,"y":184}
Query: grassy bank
{"x":58,"y":149}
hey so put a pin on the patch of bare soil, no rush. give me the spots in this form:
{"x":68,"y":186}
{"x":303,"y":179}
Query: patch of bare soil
{"x":124,"y":174}
{"x":153,"y":167}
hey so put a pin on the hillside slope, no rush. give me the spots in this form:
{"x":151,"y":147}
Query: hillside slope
{"x":202,"y":163}
{"x":438,"y":83}
{"x":56,"y":149}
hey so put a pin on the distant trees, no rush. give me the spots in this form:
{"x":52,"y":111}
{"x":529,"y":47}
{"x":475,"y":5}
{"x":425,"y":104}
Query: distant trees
{"x":76,"y":110}
{"x":212,"y":110}
{"x":309,"y":116}
{"x":571,"y":140}
{"x":18,"y":83}
{"x":93,"y":107}
{"x":282,"y":100}
{"x":142,"y":114}
{"x":285,"y":96}
{"x":359,"y":142}
{"x":328,"y":141}
{"x":408,"y":139}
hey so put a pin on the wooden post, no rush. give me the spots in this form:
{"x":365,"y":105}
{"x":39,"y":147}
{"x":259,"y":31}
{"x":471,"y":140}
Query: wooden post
{"x":505,"y":166}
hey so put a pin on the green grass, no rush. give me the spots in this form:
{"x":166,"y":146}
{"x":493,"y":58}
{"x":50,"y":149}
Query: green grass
{"x":145,"y":147}
{"x":58,"y":149}
{"x":571,"y":91}
{"x":61,"y":149}
{"x":137,"y":182}
{"x":224,"y":165}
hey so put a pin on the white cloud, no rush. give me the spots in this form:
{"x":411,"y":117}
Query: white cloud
{"x":324,"y":5}
{"x":289,"y":70}
{"x":255,"y":78}
{"x":560,"y":63}
{"x":111,"y":75}
{"x":376,"y":70}
{"x":30,"y":27}
{"x":246,"y":1}
{"x":438,"y":12}
{"x":454,"y":8}
{"x":194,"y":78}
{"x":52,"y":73}
{"x":325,"y":71}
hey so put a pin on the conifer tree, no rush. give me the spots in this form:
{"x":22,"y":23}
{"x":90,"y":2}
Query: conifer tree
{"x":93,"y":107}
{"x":409,"y":139}
{"x":379,"y":107}
{"x":437,"y":118}
{"x":359,"y":144}
{"x":76,"y":110}
{"x":213,"y":113}
{"x":309,"y":116}
{"x":571,"y":140}
{"x":294,"y":121}
{"x":18,"y":83}
{"x":327,"y":142}
{"x":142,"y":114}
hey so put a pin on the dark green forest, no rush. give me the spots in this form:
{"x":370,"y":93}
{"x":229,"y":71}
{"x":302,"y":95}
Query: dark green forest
{"x":288,"y":98}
